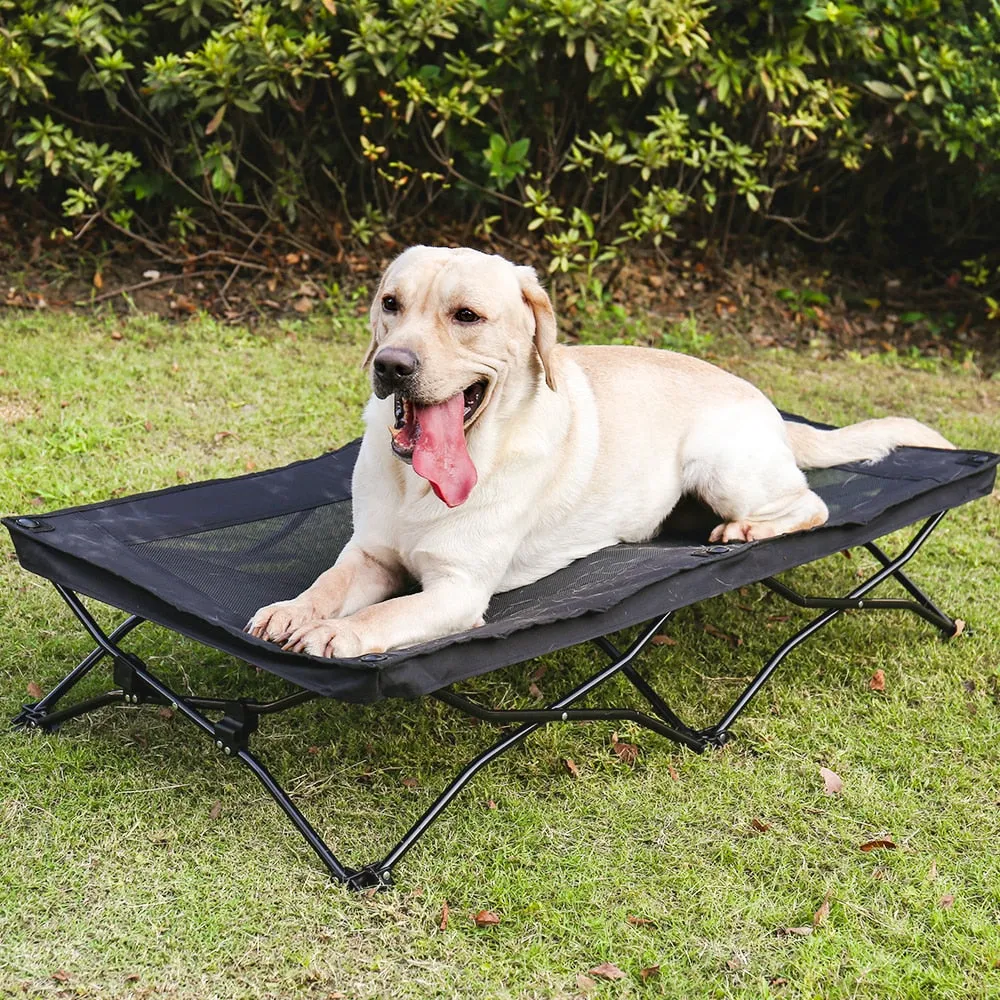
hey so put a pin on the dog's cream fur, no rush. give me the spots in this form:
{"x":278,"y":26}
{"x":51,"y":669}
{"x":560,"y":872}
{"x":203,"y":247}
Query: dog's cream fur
{"x":575,"y":448}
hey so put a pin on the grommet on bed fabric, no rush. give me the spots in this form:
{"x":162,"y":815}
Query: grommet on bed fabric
{"x":32,"y":524}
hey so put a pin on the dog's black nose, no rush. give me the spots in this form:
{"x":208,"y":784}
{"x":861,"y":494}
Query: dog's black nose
{"x":394,"y":364}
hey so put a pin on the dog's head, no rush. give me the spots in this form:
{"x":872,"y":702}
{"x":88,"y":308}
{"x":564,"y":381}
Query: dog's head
{"x":456,"y":335}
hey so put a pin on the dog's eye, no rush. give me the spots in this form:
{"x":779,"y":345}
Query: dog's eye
{"x":467,"y":316}
{"x":390,"y":303}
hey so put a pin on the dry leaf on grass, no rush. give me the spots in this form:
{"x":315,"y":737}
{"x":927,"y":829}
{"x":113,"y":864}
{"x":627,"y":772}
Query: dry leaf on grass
{"x":165,"y":713}
{"x":410,"y":783}
{"x":445,"y":913}
{"x":132,"y":977}
{"x":959,"y":628}
{"x":34,"y":690}
{"x":61,"y":976}
{"x":833,"y":784}
{"x":486,"y":918}
{"x":606,"y":970}
{"x":585,"y":984}
{"x":672,"y":771}
{"x":570,"y":766}
{"x":649,"y":972}
{"x":946,"y":901}
{"x":730,"y":637}
{"x":640,"y":921}
{"x":759,"y":825}
{"x":819,"y":917}
{"x":628,"y":753}
{"x":882,"y":843}
{"x":216,"y":811}
{"x":777,"y":982}
{"x":535,"y":691}
{"x":877,"y":682}
{"x":663,"y":640}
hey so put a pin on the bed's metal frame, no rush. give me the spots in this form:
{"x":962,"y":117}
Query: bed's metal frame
{"x":239,"y":718}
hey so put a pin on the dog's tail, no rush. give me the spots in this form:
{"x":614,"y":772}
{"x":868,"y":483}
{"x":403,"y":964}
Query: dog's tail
{"x":867,"y":441}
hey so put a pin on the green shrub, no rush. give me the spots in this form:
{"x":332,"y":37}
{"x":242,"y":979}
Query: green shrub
{"x":594,"y":124}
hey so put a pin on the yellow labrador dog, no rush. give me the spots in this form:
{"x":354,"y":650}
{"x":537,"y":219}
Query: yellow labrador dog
{"x":493,"y":456}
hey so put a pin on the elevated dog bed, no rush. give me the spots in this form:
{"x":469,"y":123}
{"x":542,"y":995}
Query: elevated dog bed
{"x":200,"y":559}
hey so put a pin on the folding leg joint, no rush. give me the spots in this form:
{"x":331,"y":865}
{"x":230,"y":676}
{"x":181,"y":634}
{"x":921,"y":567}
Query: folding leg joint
{"x":233,"y":731}
{"x":374,"y":876}
{"x":134,"y":688}
{"x":33,"y":716}
{"x":715,"y":739}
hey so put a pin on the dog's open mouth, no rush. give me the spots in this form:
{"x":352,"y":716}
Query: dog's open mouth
{"x":432,"y":438}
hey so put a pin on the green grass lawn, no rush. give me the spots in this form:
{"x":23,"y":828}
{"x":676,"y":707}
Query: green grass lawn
{"x":136,"y":862}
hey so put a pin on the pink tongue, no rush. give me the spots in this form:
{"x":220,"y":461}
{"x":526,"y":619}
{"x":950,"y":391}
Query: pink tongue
{"x":440,"y":455}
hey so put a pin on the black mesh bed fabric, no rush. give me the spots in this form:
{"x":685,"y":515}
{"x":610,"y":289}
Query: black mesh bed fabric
{"x":201,"y":558}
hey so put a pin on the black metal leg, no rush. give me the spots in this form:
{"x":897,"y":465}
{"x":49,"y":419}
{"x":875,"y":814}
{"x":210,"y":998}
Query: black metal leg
{"x":39,"y":715}
{"x":692,"y":738}
{"x":929,"y":614}
{"x":230,"y":733}
{"x":918,"y":595}
{"x":275,"y":790}
{"x":420,"y":827}
{"x":720,"y":729}
{"x":543,"y":716}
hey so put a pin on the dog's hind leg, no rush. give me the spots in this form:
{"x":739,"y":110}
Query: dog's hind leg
{"x":749,"y":477}
{"x":794,"y":512}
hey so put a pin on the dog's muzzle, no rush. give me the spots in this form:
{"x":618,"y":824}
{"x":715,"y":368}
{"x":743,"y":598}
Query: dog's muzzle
{"x":395,"y":369}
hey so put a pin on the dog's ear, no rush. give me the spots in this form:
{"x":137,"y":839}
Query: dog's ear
{"x":545,"y":320}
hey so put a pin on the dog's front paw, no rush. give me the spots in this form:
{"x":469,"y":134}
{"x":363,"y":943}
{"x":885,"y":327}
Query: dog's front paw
{"x":281,"y":618}
{"x":330,"y":637}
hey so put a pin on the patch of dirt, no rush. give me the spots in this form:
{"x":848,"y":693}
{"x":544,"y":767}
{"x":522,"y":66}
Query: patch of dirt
{"x":14,"y":410}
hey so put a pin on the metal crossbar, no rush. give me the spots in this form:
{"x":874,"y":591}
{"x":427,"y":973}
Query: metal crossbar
{"x":239,"y":718}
